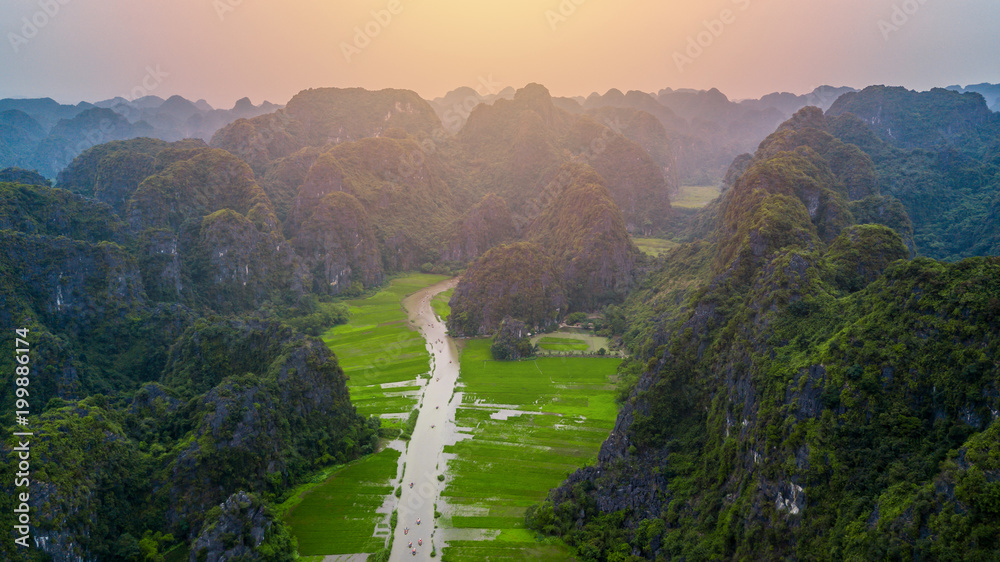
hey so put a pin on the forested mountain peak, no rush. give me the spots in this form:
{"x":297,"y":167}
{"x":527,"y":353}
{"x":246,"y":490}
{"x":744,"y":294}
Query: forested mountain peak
{"x":778,"y":377}
{"x":519,"y":280}
{"x":331,"y":115}
{"x":515,"y":148}
{"x":321,"y":116}
{"x":910,"y":119}
{"x":585,"y":231}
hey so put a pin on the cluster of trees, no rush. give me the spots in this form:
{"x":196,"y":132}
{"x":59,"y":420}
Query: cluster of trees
{"x":512,"y":342}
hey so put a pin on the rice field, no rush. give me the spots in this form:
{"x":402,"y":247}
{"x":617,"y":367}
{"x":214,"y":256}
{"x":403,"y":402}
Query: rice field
{"x":341,"y":514}
{"x":440,"y":304}
{"x":531,"y":424}
{"x":694,"y":196}
{"x":380,"y":352}
{"x":527,"y":425}
{"x":569,"y":340}
{"x":654,"y":246}
{"x":562,"y":344}
{"x":382,"y":355}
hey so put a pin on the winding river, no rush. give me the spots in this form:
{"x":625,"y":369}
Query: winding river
{"x":435,"y":428}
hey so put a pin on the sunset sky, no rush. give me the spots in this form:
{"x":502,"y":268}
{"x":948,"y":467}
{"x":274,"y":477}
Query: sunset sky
{"x":222,"y":50}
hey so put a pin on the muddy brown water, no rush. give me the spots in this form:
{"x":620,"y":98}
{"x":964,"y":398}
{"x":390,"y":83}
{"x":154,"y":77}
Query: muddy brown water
{"x":424,"y":454}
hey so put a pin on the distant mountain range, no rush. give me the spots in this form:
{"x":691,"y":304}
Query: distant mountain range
{"x":44,"y":135}
{"x":708,"y":128}
{"x":990,"y":92}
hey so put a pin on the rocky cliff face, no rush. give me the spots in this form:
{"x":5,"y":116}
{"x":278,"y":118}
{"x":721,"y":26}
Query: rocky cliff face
{"x":119,"y":175}
{"x":324,"y":116}
{"x":579,"y":236}
{"x":487,"y":224}
{"x":69,"y":284}
{"x":585,"y":231}
{"x":42,"y":210}
{"x":791,"y":405}
{"x":848,"y":163}
{"x":72,"y":278}
{"x":935,"y":153}
{"x":82,"y":499}
{"x":274,"y":403}
{"x":260,"y":140}
{"x":634,"y":180}
{"x":160,"y":262}
{"x":802,"y":160}
{"x":514,"y":148}
{"x":197,"y":186}
{"x":334,"y":115}
{"x":518,"y":280}
{"x":911,"y":119}
{"x":338,"y":244}
{"x":242,"y":529}
{"x":236,"y":266}
{"x":645,"y":129}
{"x":403,"y":191}
{"x":862,"y":253}
{"x":285,"y":176}
{"x":208,"y":234}
{"x":80,"y":176}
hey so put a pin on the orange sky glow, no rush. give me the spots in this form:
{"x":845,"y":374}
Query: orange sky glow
{"x":222,"y":50}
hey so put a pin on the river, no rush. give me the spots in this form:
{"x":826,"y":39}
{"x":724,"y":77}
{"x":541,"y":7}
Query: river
{"x":435,"y":428}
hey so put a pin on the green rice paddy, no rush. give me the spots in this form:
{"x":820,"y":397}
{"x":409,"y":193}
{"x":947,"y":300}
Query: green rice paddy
{"x":339,"y":515}
{"x":654,"y":246}
{"x":562,"y":344}
{"x":379,"y":350}
{"x":532,"y":423}
{"x":689,"y":198}
{"x":440,"y":304}
{"x":382,"y":355}
{"x":694,"y":196}
{"x":569,"y":341}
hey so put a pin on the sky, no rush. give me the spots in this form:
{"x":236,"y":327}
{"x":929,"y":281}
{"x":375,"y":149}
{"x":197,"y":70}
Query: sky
{"x":223,"y":50}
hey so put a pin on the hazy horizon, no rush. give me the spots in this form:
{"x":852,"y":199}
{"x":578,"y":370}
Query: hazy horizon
{"x":224,"y":50}
{"x":258,"y":102}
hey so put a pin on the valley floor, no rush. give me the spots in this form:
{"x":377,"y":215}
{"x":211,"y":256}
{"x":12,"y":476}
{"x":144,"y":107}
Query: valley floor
{"x":489,"y":441}
{"x":529,"y":424}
